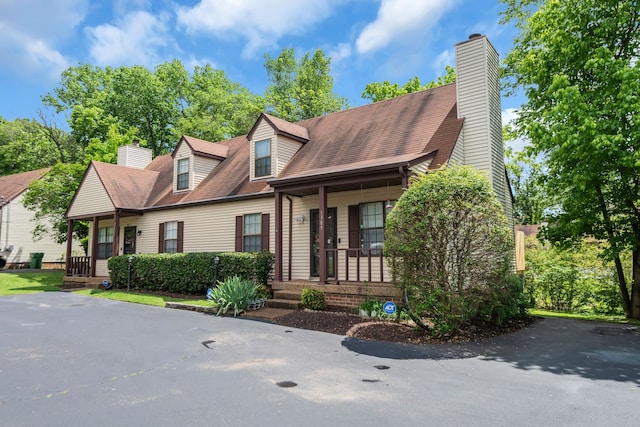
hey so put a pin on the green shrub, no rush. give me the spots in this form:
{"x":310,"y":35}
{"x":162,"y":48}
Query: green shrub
{"x":449,"y":248}
{"x":313,"y":299}
{"x":262,"y":291}
{"x":264,"y":267}
{"x":187,"y":273}
{"x":572,"y":280}
{"x":233,"y":293}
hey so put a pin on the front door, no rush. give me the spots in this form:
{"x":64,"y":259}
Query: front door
{"x":129,"y":240}
{"x":331,"y":225}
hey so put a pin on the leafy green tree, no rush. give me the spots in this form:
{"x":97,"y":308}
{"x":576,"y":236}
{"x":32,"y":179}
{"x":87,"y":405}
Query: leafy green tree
{"x":530,"y":199}
{"x":578,"y":64}
{"x":450,"y":250}
{"x":24,"y":146}
{"x":218,"y":108}
{"x":386,"y":90}
{"x":49,"y":198}
{"x":301,"y":89}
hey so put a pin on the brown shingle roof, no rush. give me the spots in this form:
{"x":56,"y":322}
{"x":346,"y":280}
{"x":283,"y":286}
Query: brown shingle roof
{"x":128,"y":188}
{"x":11,"y":186}
{"x":205,"y":148}
{"x":282,"y":127}
{"x":395,"y":127}
{"x":404,"y":129}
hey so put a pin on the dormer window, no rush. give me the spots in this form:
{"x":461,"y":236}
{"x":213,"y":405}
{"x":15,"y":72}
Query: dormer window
{"x":182,"y":182}
{"x":263,"y":158}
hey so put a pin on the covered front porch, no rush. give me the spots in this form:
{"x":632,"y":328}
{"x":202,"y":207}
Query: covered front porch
{"x":329,"y":226}
{"x":107,"y":238}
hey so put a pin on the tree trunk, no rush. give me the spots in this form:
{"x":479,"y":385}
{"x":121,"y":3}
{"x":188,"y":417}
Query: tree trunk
{"x":635,"y":286}
{"x":622,"y":284}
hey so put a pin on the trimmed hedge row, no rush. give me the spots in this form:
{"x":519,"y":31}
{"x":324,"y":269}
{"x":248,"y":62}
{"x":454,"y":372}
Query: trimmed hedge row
{"x":188,"y":273}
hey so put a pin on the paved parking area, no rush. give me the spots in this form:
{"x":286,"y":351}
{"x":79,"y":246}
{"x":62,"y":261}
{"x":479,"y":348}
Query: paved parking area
{"x":69,"y":360}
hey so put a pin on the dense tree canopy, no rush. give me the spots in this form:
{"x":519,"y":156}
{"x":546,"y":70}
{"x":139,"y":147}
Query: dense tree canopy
{"x":577,"y":61}
{"x":301,"y":89}
{"x":386,"y":90}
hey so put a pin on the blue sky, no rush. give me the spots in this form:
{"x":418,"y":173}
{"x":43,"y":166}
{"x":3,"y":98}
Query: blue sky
{"x":368,"y":40}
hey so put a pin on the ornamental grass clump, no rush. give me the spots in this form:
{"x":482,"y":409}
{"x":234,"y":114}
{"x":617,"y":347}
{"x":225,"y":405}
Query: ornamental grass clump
{"x":233,"y":293}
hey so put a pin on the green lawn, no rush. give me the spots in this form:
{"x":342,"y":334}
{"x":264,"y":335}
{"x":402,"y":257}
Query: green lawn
{"x":583,"y":316}
{"x":139,"y":298}
{"x":28,"y":283}
{"x":48,"y":281}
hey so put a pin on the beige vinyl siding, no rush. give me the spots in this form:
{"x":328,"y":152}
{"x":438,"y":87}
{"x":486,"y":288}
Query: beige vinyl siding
{"x":422,"y":167}
{"x":17,"y":231}
{"x":301,"y":232}
{"x":285,"y":149}
{"x":134,"y":157}
{"x":102,"y":269}
{"x":202,"y":166}
{"x":457,"y":155}
{"x":183,"y":152}
{"x":207,"y":228}
{"x":478,"y":91}
{"x":263,"y":131}
{"x":91,"y":197}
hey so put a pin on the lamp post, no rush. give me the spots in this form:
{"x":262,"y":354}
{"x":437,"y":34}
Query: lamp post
{"x":216,"y":263}
{"x":129,"y":264}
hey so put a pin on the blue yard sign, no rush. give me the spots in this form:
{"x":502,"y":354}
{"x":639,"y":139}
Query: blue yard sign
{"x":389,"y":307}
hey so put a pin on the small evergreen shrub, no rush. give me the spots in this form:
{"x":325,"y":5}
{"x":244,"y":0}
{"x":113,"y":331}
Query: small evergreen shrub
{"x":313,"y":299}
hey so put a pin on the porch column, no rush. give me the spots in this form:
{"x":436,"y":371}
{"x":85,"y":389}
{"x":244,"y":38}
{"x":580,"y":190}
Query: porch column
{"x":278,"y":261}
{"x":94,"y":245}
{"x":69,"y":245}
{"x":322,"y":205}
{"x":115,"y":247}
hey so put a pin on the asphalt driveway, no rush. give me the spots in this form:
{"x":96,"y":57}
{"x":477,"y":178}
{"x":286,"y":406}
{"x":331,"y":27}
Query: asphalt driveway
{"x":69,"y":360}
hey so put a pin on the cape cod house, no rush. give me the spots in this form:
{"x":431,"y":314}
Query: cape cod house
{"x":315,"y":192}
{"x":17,"y":223}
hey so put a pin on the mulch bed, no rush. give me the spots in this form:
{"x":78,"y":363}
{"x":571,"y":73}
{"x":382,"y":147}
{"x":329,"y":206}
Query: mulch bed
{"x":341,"y":323}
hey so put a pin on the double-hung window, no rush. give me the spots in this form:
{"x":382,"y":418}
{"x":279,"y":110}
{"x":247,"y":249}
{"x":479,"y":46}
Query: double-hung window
{"x":182,"y":179}
{"x":263,"y":158}
{"x":251,"y":233}
{"x":366,"y":226}
{"x":105,"y":242}
{"x":171,"y":237}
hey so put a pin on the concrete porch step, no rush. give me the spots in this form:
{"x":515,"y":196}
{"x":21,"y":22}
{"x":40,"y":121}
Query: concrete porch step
{"x":287,"y":294}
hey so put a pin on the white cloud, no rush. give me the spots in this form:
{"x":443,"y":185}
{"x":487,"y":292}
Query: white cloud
{"x":137,"y":38}
{"x":260,"y":22}
{"x":340,"y":52}
{"x":32,"y":29}
{"x":445,"y":58}
{"x":399,"y":19}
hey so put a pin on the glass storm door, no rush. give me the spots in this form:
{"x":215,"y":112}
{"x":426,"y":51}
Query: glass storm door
{"x":331,"y":226}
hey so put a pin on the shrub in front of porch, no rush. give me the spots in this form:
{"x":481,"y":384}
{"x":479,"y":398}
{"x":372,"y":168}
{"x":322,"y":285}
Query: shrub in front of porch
{"x":451,"y":251}
{"x":188,"y":273}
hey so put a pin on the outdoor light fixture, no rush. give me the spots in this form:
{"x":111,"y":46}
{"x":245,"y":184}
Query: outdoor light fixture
{"x":139,"y":232}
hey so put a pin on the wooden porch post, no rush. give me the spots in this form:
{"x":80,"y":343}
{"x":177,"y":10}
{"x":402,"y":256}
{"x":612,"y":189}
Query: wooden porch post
{"x":115,"y":247}
{"x":322,"y":202}
{"x":278,"y":266}
{"x":69,"y":245}
{"x":94,"y":246}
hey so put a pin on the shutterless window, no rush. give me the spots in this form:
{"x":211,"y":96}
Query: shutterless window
{"x":372,"y":218}
{"x":183,"y":174}
{"x":263,"y":158}
{"x":171,"y":237}
{"x":251,"y":237}
{"x":105,"y":242}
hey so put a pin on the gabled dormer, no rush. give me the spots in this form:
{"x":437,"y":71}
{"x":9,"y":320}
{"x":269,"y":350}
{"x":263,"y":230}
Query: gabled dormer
{"x":193,"y":160}
{"x":273,"y":142}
